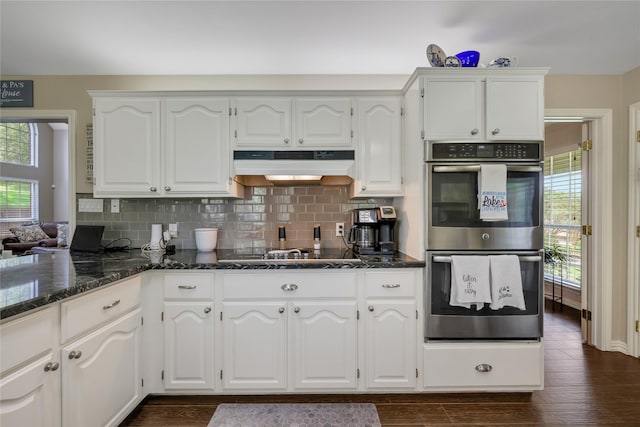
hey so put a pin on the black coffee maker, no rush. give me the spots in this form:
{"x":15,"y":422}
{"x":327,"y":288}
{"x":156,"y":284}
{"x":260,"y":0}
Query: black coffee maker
{"x":372,"y":231}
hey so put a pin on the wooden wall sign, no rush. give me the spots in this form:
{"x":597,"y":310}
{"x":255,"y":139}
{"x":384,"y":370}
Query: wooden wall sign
{"x":16,"y":93}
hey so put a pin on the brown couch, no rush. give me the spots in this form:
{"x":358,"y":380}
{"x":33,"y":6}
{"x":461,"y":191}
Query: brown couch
{"x":50,"y":228}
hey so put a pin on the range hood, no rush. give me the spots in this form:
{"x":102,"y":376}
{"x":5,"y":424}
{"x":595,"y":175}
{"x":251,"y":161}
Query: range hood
{"x":288,"y":167}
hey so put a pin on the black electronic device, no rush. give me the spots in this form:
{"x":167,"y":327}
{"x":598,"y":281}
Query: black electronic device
{"x":87,"y":238}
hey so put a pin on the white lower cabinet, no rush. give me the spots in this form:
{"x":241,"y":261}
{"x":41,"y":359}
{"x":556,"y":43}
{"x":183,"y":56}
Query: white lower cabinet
{"x":390,"y":329}
{"x":101,"y":380}
{"x":254,"y":355}
{"x":300,"y":334}
{"x":492,"y":366}
{"x":188,"y":331}
{"x":31,"y":395}
{"x":188,"y":345}
{"x":30,"y":370}
{"x":324,"y":344}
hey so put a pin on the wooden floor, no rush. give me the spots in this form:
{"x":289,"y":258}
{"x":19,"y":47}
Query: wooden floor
{"x":583,"y":386}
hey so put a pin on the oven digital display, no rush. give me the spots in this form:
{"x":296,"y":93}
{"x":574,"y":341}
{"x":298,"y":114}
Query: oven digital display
{"x":485,"y":151}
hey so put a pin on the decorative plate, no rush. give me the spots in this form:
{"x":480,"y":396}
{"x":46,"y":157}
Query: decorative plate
{"x":452,"y":61}
{"x":435,"y":55}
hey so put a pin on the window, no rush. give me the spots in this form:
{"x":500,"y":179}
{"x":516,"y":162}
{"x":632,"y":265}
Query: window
{"x":18,"y":193}
{"x":18,"y":143}
{"x":562,"y":214}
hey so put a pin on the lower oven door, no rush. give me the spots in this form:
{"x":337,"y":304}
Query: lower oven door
{"x":444,"y":321}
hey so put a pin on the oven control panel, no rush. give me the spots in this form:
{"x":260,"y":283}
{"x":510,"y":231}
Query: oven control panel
{"x":485,"y":150}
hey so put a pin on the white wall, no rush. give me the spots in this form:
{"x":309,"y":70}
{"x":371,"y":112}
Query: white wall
{"x":61,"y":173}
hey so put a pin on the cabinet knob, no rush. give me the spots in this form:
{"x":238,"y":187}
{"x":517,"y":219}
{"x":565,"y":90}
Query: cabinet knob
{"x":474,"y":131}
{"x":364,"y":187}
{"x":296,"y":310}
{"x":153,"y":189}
{"x":286,"y":140}
{"x":167,"y":188}
{"x":207,"y":310}
{"x":495,"y":131}
{"x":484,"y":367}
{"x":51,"y":366}
{"x":301,"y":140}
{"x":370,"y":308}
{"x":75,"y":354}
{"x":281,"y":310}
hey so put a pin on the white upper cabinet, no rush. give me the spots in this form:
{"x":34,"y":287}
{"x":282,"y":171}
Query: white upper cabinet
{"x":453,"y":108}
{"x":484,"y":107}
{"x":262,"y":122}
{"x":301,"y":123}
{"x":126,"y":147}
{"x":379,"y":148}
{"x":196,"y":149}
{"x":162,"y":147}
{"x":322,"y":122}
{"x":515,"y":108}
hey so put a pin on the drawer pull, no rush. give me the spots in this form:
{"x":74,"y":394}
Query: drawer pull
{"x":484,"y":367}
{"x":207,"y":310}
{"x":281,"y":310}
{"x":370,"y":308}
{"x":296,"y":310}
{"x":75,"y":355}
{"x":113,"y":304}
{"x":391,"y":285}
{"x":187,"y":286}
{"x":288,"y":287}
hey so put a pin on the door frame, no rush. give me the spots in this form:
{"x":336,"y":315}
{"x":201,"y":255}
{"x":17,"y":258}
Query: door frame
{"x":70,"y":117}
{"x":633,"y":252}
{"x":600,"y":272}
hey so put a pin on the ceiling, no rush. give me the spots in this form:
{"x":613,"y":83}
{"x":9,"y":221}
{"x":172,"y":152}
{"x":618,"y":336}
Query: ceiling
{"x":310,"y":37}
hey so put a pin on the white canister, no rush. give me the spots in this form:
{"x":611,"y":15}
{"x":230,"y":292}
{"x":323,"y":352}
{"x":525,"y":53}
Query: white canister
{"x":206,"y":239}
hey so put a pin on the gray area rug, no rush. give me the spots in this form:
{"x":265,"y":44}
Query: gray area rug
{"x":295,"y":415}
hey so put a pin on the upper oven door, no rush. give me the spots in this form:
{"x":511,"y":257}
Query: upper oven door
{"x":453,"y":217}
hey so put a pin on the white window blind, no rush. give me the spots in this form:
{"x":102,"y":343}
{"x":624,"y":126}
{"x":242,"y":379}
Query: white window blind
{"x":562,"y":213}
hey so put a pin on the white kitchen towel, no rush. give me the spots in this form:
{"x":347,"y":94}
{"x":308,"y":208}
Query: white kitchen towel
{"x":470,"y":281}
{"x":492,"y":192}
{"x":506,"y":282}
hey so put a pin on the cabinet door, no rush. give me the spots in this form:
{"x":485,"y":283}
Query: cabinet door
{"x":515,"y":108}
{"x":453,"y":108}
{"x":323,"y":345}
{"x":379,"y":145}
{"x":390,"y":344}
{"x":126,"y":147}
{"x":188,"y":345}
{"x":196,"y":146}
{"x":263,"y":122}
{"x":254,"y":337}
{"x":31,"y":395}
{"x":322,"y":123}
{"x":101,"y":381}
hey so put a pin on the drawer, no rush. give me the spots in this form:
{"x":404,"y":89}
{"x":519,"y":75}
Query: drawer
{"x":99,"y":307}
{"x":188,"y":286}
{"x":480,"y":365}
{"x":27,"y":337}
{"x":301,"y":284}
{"x":390,"y":283}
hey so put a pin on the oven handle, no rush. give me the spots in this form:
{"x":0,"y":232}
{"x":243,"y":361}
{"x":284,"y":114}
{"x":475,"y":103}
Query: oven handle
{"x":476,"y":168}
{"x":523,"y":258}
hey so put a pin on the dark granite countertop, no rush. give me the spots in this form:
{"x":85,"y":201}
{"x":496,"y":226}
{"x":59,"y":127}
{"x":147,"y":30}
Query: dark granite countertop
{"x":33,"y":281}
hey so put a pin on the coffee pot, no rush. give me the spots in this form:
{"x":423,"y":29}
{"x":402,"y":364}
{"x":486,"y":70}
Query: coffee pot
{"x":372,"y":230}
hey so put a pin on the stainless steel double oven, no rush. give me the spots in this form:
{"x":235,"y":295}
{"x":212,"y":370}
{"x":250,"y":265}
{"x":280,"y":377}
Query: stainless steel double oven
{"x":454,"y":227}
